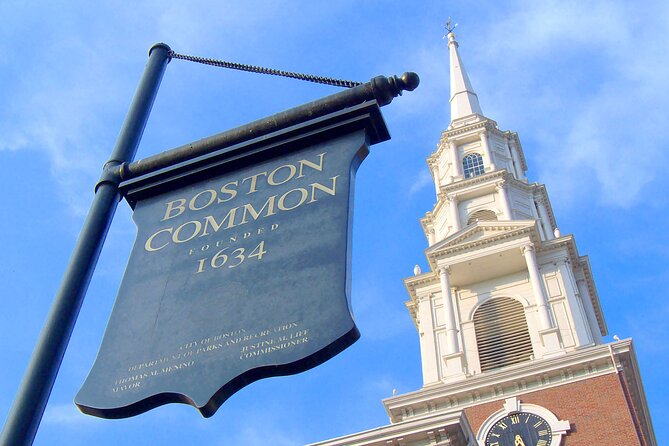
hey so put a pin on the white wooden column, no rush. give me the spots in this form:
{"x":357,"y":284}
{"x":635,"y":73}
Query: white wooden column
{"x":431,"y":238}
{"x":537,"y":287}
{"x":504,"y":199}
{"x":454,"y":213}
{"x":543,"y":213}
{"x":540,"y":221}
{"x":596,"y":332}
{"x":513,"y":148}
{"x":434,"y":166}
{"x":580,"y":319}
{"x":456,"y":162}
{"x":449,"y":312}
{"x":428,"y":351}
{"x":486,"y":149}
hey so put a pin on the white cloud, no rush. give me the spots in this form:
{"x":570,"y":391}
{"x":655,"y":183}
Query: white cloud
{"x":423,"y":180}
{"x":262,"y":429}
{"x":384,"y":385}
{"x":648,"y":324}
{"x":66,"y":414}
{"x":59,"y":114}
{"x":430,"y":99}
{"x":373,"y":307}
{"x":75,"y":85}
{"x":187,"y":27}
{"x":601,"y":79}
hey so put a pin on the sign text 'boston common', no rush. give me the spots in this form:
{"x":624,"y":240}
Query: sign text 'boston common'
{"x":240,"y":269}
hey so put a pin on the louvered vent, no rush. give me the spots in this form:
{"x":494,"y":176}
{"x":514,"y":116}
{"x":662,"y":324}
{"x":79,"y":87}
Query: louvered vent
{"x":482,"y":215}
{"x":501,"y":333}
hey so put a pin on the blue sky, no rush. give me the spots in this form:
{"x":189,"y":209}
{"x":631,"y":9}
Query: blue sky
{"x":584,"y":83}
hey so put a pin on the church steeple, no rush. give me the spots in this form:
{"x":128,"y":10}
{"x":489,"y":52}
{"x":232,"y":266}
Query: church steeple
{"x":507,"y":313}
{"x":464,"y":101}
{"x":498,"y":266}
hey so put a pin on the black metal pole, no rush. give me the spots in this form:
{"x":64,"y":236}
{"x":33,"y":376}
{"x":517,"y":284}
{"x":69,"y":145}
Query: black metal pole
{"x":31,"y":399}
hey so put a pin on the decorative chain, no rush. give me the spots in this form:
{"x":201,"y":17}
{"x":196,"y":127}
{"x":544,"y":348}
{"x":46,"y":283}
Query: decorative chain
{"x":262,"y":70}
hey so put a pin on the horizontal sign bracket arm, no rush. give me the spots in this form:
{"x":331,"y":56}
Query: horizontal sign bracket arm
{"x":382,"y":89}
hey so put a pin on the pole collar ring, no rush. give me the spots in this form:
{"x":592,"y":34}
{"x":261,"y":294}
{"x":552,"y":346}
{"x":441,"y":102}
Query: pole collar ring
{"x":112,"y":173}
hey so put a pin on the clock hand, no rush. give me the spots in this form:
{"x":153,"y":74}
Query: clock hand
{"x":519,"y":441}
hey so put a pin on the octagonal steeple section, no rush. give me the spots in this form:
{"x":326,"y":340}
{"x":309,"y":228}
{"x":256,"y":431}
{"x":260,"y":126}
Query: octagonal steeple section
{"x":478,"y":169}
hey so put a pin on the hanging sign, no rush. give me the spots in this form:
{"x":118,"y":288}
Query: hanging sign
{"x":240,"y":269}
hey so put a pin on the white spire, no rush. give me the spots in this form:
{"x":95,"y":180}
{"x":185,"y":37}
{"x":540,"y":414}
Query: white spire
{"x":464,"y":101}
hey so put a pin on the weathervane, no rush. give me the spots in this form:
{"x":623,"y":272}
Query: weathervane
{"x":449,"y":28}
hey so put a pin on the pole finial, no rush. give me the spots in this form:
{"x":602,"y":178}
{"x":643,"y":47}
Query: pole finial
{"x":450,"y":27}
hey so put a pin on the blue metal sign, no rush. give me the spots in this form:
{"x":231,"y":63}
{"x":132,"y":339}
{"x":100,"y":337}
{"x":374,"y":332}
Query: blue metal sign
{"x":240,"y":269}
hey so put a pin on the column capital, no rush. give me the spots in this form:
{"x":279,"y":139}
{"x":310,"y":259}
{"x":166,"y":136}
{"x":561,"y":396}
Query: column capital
{"x":527,"y":248}
{"x":540,"y":199}
{"x":444,"y":270}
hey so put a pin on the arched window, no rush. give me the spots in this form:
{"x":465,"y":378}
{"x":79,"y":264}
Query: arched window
{"x":472,"y":165}
{"x":502,"y":336}
{"x":482,"y":215}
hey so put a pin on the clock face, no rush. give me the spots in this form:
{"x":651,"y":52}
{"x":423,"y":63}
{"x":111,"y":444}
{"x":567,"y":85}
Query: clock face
{"x":519,"y":429}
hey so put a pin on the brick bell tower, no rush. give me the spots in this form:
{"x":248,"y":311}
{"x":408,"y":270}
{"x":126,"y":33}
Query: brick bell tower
{"x":508,"y":316}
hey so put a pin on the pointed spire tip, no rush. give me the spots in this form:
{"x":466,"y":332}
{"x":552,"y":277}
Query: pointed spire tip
{"x":464,"y":101}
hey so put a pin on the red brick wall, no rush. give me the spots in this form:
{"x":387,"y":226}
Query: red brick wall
{"x":596,"y":409}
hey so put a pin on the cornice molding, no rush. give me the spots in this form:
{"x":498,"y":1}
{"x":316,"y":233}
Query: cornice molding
{"x":541,"y":195}
{"x":445,"y":429}
{"x":446,"y":136}
{"x":422,"y":279}
{"x":569,"y":243}
{"x":496,"y":176}
{"x":484,"y":123}
{"x":457,"y":186}
{"x":507,"y":230}
{"x":412,"y":307}
{"x":511,"y":381}
{"x":513,"y":136}
{"x":414,"y":282}
{"x":632,"y":378}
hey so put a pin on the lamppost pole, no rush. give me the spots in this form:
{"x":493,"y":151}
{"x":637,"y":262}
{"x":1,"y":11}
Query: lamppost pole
{"x":24,"y":418}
